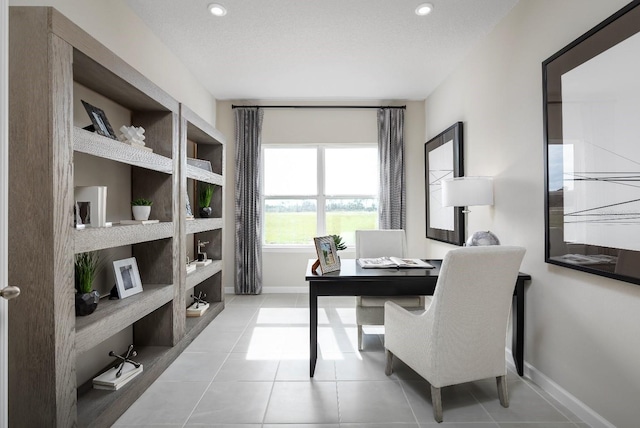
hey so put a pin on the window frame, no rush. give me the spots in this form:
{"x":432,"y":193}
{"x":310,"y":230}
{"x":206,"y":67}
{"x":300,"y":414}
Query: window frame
{"x":320,"y":198}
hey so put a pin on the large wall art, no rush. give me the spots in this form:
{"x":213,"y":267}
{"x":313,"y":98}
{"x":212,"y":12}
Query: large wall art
{"x":443,"y":159}
{"x":592,"y":108}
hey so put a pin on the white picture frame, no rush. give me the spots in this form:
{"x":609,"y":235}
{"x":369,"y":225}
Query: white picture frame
{"x":127,"y":277}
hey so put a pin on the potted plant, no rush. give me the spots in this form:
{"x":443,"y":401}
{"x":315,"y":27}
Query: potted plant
{"x":340,"y":245}
{"x":204,"y":199}
{"x":141,"y":208}
{"x":86,"y":268}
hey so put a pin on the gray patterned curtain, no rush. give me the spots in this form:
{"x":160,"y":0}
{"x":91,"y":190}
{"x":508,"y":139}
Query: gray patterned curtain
{"x":392,"y":208}
{"x":248,"y":260}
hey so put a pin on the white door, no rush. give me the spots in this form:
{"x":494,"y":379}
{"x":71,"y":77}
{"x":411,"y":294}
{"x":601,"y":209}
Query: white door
{"x":4,"y":186}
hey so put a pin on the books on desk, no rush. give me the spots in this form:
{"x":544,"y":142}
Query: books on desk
{"x":393,"y":262}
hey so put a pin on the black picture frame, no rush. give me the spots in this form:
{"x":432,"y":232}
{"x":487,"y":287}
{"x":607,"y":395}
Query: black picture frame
{"x":590,"y":100}
{"x":99,"y":120}
{"x":443,"y":159}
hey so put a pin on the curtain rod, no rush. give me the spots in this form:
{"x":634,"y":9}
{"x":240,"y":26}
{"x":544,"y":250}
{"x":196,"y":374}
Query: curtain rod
{"x":319,"y":107}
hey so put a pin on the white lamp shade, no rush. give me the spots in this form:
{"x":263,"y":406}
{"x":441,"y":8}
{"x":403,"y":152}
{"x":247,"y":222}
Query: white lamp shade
{"x":467,"y":191}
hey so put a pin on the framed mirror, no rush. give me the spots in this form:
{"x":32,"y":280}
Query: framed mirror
{"x":591,"y":100}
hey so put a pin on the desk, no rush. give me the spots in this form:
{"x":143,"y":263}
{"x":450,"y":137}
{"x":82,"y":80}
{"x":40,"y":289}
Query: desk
{"x":352,"y":280}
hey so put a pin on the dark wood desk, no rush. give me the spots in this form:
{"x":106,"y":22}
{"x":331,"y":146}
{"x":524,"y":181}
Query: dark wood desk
{"x":352,"y":280}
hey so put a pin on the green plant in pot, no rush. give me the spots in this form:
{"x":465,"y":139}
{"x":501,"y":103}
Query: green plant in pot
{"x":86,"y":269}
{"x":340,"y":245}
{"x":141,"y":208}
{"x":204,"y":199}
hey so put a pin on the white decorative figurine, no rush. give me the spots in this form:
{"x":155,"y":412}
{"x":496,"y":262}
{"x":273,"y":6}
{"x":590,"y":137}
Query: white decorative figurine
{"x":133,"y":135}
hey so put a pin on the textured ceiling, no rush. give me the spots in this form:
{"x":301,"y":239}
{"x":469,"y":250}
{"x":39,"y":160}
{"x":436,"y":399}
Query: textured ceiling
{"x":321,"y":49}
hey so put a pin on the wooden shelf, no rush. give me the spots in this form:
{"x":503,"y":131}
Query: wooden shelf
{"x":102,"y":408}
{"x":99,"y":238}
{"x":202,"y":273}
{"x":111,"y":316}
{"x":42,"y":144}
{"x":107,"y":148}
{"x":203,"y":224}
{"x":200,"y":174}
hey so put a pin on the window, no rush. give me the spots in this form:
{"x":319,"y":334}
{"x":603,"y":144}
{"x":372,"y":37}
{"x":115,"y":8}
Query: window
{"x":318,"y":190}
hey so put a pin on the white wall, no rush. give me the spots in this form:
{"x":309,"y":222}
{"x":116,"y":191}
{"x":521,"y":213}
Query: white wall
{"x":581,"y":329}
{"x":117,"y":27}
{"x":284,"y":270}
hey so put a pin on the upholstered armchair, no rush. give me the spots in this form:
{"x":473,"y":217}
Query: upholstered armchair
{"x":380,"y":243}
{"x":461,"y":335}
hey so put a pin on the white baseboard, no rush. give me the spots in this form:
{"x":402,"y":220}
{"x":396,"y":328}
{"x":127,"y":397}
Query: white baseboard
{"x":272,"y":290}
{"x":581,"y":410}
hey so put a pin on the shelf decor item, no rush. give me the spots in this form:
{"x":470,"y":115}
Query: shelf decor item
{"x":99,"y":120}
{"x":328,"y":259}
{"x":90,"y":206}
{"x":133,"y":136}
{"x":118,"y":376}
{"x":204,"y":199}
{"x":141,"y":209}
{"x":127,"y":275}
{"x":86,"y":268}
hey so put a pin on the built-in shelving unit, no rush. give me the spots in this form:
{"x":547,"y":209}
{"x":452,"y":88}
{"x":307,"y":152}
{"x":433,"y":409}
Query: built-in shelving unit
{"x":48,"y":56}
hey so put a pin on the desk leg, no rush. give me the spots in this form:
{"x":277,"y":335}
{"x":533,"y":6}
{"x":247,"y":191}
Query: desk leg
{"x":313,"y":328}
{"x":517,"y":344}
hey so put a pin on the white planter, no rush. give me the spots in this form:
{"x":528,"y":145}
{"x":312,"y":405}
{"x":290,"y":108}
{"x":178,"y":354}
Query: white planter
{"x":141,"y":212}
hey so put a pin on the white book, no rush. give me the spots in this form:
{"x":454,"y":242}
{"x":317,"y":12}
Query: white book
{"x":393,"y":262}
{"x":108,"y":379}
{"x":192,"y":311}
{"x":139,"y":221}
{"x":204,"y":262}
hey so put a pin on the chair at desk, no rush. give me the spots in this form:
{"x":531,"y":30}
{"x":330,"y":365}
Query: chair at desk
{"x":461,"y":336}
{"x":380,"y":243}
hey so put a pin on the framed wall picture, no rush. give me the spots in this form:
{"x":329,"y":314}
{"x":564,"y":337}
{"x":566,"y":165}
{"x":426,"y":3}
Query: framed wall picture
{"x":327,"y":254}
{"x":127,"y":277}
{"x":591,"y":101}
{"x":99,"y":120}
{"x":443,"y":159}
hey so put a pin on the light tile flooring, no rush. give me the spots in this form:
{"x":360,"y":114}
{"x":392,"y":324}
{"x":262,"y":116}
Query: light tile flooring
{"x":250,"y":368}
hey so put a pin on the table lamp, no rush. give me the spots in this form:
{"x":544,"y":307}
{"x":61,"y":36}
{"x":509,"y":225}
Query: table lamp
{"x":467,"y":191}
{"x":470,"y":191}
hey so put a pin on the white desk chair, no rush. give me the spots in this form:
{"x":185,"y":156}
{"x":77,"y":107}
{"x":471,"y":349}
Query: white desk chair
{"x":461,"y":336}
{"x":380,"y":243}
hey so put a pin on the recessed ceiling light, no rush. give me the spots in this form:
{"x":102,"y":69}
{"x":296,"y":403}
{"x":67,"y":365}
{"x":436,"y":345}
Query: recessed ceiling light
{"x":217,"y":9}
{"x":424,"y":9}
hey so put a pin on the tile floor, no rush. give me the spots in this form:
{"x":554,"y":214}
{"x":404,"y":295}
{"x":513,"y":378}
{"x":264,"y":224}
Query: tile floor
{"x":249,"y":369}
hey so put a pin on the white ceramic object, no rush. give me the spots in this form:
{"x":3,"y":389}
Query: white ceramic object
{"x":141,"y":212}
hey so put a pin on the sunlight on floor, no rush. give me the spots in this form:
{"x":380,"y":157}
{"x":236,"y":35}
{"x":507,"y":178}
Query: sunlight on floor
{"x":283,"y":333}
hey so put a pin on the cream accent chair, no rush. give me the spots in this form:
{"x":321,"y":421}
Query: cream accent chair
{"x":380,"y":243}
{"x":461,"y":336}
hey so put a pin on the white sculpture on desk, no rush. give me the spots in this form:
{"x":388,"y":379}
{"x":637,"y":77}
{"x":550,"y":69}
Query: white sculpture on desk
{"x":133,"y":135}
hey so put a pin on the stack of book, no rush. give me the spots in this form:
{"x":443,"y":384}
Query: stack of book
{"x":109,"y":381}
{"x":197,"y":309}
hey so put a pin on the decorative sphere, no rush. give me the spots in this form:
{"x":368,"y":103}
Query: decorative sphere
{"x":482,"y":237}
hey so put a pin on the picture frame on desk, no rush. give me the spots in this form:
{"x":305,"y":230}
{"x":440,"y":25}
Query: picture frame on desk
{"x":328,"y":259}
{"x":443,"y":159}
{"x":127,"y":276}
{"x":590,"y":95}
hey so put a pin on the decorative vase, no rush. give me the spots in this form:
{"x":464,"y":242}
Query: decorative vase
{"x":141,"y":212}
{"x":205,"y":212}
{"x":86,"y":303}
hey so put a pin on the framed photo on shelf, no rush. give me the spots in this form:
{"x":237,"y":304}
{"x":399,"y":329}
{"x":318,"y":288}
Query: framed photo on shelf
{"x":99,"y":120}
{"x":327,"y":254}
{"x":200,"y":163}
{"x":591,"y":99}
{"x":443,"y":159}
{"x":127,"y":277}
